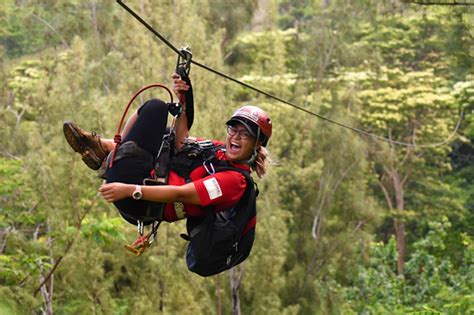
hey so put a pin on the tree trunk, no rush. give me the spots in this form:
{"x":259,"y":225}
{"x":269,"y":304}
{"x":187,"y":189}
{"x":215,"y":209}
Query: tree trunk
{"x":95,"y":27}
{"x":3,"y":238}
{"x":261,"y":17}
{"x":398,"y":223}
{"x":401,"y":240}
{"x":235,"y":280}
{"x":218,"y":295}
{"x":47,"y":285}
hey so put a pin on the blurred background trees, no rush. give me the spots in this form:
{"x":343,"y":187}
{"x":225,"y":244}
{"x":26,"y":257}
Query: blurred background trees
{"x":346,"y":224}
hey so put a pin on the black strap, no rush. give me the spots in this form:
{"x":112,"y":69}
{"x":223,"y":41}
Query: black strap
{"x":163,"y":160}
{"x":248,"y":178}
{"x":192,"y":155}
{"x":183,"y":67}
{"x":130,"y":148}
{"x":249,"y":197}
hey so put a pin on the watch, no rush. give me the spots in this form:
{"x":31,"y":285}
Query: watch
{"x":137,"y":194}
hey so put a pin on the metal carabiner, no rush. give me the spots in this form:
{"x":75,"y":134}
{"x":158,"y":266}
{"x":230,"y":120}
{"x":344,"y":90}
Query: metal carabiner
{"x":210,"y":172}
{"x":140,"y":227}
{"x":153,"y":232}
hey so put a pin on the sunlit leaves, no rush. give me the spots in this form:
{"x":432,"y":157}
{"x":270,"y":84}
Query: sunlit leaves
{"x":102,"y":229}
{"x":431,"y":280}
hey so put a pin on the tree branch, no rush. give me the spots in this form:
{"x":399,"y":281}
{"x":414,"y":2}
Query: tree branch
{"x":9,"y":155}
{"x":313,"y":265}
{"x":68,"y":248}
{"x":317,"y":218}
{"x":3,"y":237}
{"x":386,"y":194}
{"x":51,"y":28}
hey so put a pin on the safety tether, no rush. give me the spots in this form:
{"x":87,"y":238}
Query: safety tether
{"x":118,"y":136}
{"x":327,"y":119}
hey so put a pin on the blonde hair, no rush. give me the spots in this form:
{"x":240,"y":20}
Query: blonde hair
{"x":260,"y":165}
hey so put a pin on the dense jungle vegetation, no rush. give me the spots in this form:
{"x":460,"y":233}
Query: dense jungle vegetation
{"x":346,"y":224}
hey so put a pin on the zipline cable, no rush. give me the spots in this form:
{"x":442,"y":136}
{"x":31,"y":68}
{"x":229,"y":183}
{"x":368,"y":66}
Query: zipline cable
{"x":327,"y":119}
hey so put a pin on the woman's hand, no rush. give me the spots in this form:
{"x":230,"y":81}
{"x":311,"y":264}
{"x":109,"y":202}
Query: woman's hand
{"x":179,"y":86}
{"x":116,"y":191}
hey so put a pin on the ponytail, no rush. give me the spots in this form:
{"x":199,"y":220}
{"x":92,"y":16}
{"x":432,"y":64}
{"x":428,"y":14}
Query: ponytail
{"x":260,"y":165}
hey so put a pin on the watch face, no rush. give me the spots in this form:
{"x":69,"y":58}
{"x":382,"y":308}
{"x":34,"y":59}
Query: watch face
{"x":137,"y":195}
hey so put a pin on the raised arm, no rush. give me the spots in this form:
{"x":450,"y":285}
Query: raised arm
{"x":182,"y":131}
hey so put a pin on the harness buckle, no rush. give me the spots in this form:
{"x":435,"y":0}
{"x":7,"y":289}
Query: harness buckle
{"x":205,"y":144}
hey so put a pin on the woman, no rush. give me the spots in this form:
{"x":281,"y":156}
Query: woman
{"x":248,"y":132}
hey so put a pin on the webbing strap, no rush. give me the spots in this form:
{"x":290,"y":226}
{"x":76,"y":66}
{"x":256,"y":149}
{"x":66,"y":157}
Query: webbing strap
{"x":129,"y":148}
{"x":183,"y":67}
{"x":249,"y":195}
{"x":163,"y":159}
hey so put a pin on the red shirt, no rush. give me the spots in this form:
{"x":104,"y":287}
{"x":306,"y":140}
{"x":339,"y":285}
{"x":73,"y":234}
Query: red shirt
{"x":221,"y":190}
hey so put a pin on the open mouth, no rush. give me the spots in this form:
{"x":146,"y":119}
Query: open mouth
{"x":234,"y":146}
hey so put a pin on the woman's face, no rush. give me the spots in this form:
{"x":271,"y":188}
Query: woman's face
{"x":239,"y":143}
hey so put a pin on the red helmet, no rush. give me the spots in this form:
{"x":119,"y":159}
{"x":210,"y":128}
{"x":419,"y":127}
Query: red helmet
{"x":257,"y":122}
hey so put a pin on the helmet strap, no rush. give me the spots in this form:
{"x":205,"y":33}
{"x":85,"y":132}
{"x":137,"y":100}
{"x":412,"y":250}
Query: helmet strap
{"x":254,"y":154}
{"x":252,"y":158}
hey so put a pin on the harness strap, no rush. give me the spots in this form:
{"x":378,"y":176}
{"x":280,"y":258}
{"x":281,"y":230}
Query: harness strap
{"x":163,"y":160}
{"x":251,"y":193}
{"x":129,"y":148}
{"x":191,"y":156}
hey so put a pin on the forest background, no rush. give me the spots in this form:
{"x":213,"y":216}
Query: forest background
{"x":346,"y":224}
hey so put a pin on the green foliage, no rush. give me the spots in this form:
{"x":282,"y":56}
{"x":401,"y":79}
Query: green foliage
{"x":464,"y":93}
{"x":393,"y":69}
{"x":432,"y":280}
{"x":293,"y":13}
{"x":102,"y":229}
{"x":17,"y":32}
{"x":233,"y":16}
{"x":257,"y":51}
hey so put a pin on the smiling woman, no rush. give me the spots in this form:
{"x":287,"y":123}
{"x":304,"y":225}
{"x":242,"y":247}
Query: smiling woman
{"x":206,"y":178}
{"x":248,"y":129}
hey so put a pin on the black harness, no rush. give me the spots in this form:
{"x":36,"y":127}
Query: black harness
{"x":192,"y":155}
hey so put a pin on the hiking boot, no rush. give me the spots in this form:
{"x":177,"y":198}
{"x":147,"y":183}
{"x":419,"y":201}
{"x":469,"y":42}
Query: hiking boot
{"x":86,"y":144}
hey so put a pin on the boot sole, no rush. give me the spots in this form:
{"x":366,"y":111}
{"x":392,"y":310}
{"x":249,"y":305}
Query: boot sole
{"x":88,"y":155}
